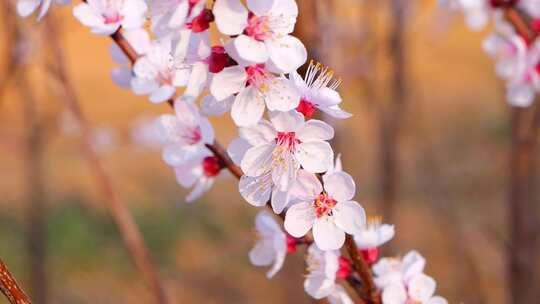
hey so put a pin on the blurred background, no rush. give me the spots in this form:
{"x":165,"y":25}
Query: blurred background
{"x":428,"y":147}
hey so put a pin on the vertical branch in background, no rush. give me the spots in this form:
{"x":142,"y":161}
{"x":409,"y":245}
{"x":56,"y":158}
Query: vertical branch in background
{"x":123,"y":219}
{"x":36,"y":210}
{"x":32,"y":157}
{"x":391,"y":117}
{"x":522,"y":210}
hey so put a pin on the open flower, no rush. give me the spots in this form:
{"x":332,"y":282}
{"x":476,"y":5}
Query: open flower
{"x":323,"y":268}
{"x":518,"y":64}
{"x":199,"y":172}
{"x":271,"y":246}
{"x":419,"y":289}
{"x":140,"y":41}
{"x":318,"y":91}
{"x":185,"y":134}
{"x":105,"y":17}
{"x":390,"y":271}
{"x":157,"y":74}
{"x":329,"y":210}
{"x":25,"y":8}
{"x":170,"y":16}
{"x":262,"y":33}
{"x":371,"y":237}
{"x":271,"y":153}
{"x":255,"y":87}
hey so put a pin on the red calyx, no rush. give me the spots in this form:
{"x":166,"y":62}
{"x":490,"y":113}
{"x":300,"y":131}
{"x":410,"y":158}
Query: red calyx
{"x":218,"y":59}
{"x":211,"y":166}
{"x":306,"y":108}
{"x":502,"y":3}
{"x":202,"y":22}
{"x":292,"y":242}
{"x":370,"y":255}
{"x":536,"y":24}
{"x":345,"y":268}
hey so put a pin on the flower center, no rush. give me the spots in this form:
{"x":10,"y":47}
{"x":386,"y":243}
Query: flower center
{"x":211,"y":166}
{"x":164,"y":79}
{"x":323,"y":205}
{"x":192,"y":136}
{"x":306,"y":108}
{"x":258,"y":27}
{"x":112,"y":16}
{"x":345,"y":268}
{"x":287,"y":140}
{"x":257,"y":76}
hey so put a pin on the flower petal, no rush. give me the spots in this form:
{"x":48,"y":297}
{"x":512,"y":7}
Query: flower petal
{"x":316,"y":156}
{"x":250,"y":50}
{"x":281,"y":95}
{"x":259,"y":134}
{"x":257,"y":160}
{"x":350,"y":217}
{"x":299,"y":219}
{"x":280,"y":200}
{"x":327,"y":235}
{"x":286,"y":121}
{"x":210,"y":106}
{"x":237,"y":149}
{"x":287,"y":54}
{"x":231,"y":16}
{"x":256,"y":190}
{"x":248,"y":107}
{"x":228,"y":82}
{"x":315,"y":130}
{"x":421,"y":287}
{"x":260,"y":7}
{"x":340,"y":186}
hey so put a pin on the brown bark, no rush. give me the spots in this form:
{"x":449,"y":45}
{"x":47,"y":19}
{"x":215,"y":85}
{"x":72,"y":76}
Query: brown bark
{"x":522,"y":207}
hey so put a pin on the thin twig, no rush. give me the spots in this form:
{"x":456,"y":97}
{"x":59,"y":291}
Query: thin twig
{"x":10,"y":288}
{"x":369,"y":289}
{"x":131,"y":235}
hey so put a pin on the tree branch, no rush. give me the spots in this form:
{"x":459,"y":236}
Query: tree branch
{"x":10,"y":288}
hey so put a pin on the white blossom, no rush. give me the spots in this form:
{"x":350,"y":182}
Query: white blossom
{"x":140,"y":42}
{"x":517,"y":63}
{"x":26,"y":8}
{"x":255,"y":87}
{"x":262,"y":32}
{"x":170,"y":16}
{"x":185,"y":133}
{"x":329,"y":210}
{"x":105,"y":17}
{"x":323,"y":268}
{"x":403,"y":281}
{"x":318,"y":91}
{"x":271,"y":153}
{"x":198,"y":173}
{"x":157,"y":74}
{"x":271,"y":246}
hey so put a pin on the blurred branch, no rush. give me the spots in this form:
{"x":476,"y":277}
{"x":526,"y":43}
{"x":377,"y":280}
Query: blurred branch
{"x":523,"y":198}
{"x":133,"y":239}
{"x":10,"y":288}
{"x":33,"y":156}
{"x":391,"y":118}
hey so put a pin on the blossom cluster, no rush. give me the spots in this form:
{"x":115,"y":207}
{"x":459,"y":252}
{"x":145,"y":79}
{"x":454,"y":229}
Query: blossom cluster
{"x":517,"y":55}
{"x":282,"y":150}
